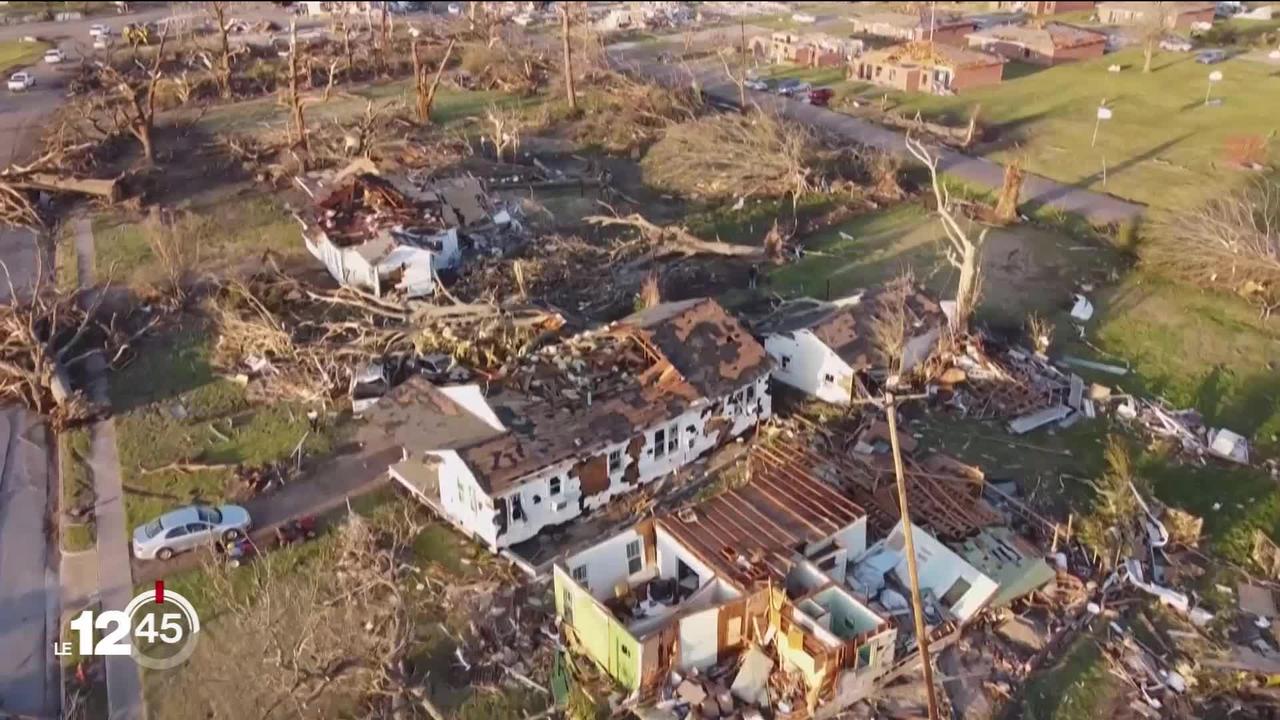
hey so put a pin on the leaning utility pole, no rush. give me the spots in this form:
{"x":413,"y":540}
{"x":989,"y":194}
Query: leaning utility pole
{"x":908,"y":533}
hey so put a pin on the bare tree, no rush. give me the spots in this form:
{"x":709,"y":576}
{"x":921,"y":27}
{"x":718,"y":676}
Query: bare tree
{"x":136,"y":109}
{"x":298,"y":120}
{"x":740,"y":78}
{"x":223,"y":72}
{"x":427,"y":92}
{"x":565,"y":25}
{"x":1155,"y":22}
{"x":961,"y":248}
{"x":1007,"y":203}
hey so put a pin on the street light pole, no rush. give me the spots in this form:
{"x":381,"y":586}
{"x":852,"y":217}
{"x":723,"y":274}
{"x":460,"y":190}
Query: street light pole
{"x":922,"y":636}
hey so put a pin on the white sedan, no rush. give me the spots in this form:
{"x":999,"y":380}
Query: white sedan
{"x":54,"y":56}
{"x":188,"y":528}
{"x":20,"y":81}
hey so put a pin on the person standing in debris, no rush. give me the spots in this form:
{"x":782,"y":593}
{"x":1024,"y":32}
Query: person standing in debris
{"x":753,"y":276}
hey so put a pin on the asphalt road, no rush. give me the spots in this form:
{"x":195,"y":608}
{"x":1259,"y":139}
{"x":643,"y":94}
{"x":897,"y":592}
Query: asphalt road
{"x":28,"y":581}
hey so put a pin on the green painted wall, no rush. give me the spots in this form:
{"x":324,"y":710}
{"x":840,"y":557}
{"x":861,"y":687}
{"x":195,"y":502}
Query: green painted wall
{"x":603,"y":638}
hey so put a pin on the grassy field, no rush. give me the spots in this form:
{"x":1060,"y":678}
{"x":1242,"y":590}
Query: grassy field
{"x":77,"y":488}
{"x":1163,"y":146}
{"x":451,"y":106}
{"x":238,"y":229}
{"x":15,"y":54}
{"x":171,"y":407}
{"x":1027,"y":269}
{"x":1077,"y":687}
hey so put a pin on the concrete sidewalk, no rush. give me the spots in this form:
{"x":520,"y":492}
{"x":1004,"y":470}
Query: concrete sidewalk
{"x":115,"y":575}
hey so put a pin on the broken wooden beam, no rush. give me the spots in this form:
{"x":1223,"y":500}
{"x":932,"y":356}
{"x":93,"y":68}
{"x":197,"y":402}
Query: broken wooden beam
{"x":109,"y":189}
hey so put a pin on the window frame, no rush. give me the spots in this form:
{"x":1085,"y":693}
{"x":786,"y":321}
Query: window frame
{"x":581,"y":581}
{"x":637,"y":559}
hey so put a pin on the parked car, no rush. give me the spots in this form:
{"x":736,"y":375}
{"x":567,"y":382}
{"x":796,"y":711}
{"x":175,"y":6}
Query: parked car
{"x":98,"y":30}
{"x":1209,"y":57}
{"x":762,"y":85}
{"x":1176,"y":44}
{"x":54,"y":56}
{"x":792,"y":87}
{"x":188,"y":528}
{"x":20,"y":81}
{"x":819,"y":96}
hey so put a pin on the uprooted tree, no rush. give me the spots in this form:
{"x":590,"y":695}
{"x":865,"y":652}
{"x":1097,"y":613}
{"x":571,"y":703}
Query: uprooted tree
{"x":722,"y":156}
{"x":1231,"y":242}
{"x":46,"y":339}
{"x":961,"y":247}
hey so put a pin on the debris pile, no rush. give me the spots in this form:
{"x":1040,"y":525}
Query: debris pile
{"x":382,"y":235}
{"x":1030,"y":391}
{"x":283,"y":338}
{"x":510,"y":635}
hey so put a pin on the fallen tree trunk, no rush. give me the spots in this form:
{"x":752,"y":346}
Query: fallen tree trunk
{"x":674,"y":240}
{"x":109,"y":189}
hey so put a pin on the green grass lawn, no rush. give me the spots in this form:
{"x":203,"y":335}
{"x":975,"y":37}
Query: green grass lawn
{"x":1027,"y":268}
{"x":15,"y":54}
{"x":1077,"y":687}
{"x":451,"y":106}
{"x":77,"y":488}
{"x":171,"y":407}
{"x":1163,"y":146}
{"x":239,"y":229}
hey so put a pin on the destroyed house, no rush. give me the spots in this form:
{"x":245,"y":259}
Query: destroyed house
{"x":923,"y":25}
{"x":929,"y":67}
{"x":596,"y":417}
{"x":821,"y":348}
{"x":382,"y":235}
{"x":1046,"y":44}
{"x":754,"y":572}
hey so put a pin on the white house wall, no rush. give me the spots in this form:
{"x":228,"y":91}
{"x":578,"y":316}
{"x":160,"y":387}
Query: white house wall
{"x":698,"y":639}
{"x":696,"y":437}
{"x":462,"y":497}
{"x":940,"y":568}
{"x":804,"y":362}
{"x":606,"y":565}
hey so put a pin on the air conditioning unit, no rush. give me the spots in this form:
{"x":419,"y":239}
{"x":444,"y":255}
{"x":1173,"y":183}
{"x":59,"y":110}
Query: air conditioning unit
{"x":559,"y":505}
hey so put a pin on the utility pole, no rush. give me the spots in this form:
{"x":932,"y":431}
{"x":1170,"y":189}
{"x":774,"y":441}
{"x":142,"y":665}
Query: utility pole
{"x":922,"y":636}
{"x":933,"y":21}
{"x":742,"y":69}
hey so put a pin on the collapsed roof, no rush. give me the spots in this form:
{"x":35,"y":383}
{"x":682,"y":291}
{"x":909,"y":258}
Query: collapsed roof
{"x":601,"y":388}
{"x":846,"y":325}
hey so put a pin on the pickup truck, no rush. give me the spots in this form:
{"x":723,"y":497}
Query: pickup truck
{"x":20,"y":81}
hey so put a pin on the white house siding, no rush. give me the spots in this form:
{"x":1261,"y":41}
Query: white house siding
{"x":698,"y":639}
{"x":464,"y":500}
{"x":543,"y":509}
{"x":605,"y":565}
{"x":804,"y":362}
